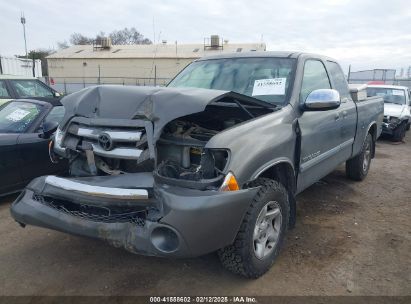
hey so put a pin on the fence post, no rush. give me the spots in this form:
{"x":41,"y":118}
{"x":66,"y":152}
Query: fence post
{"x":98,"y":74}
{"x":155,"y":75}
{"x":65,"y":87}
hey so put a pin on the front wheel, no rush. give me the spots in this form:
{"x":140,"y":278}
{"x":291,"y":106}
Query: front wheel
{"x":357,"y":168}
{"x":262,"y":231}
{"x":399,"y":133}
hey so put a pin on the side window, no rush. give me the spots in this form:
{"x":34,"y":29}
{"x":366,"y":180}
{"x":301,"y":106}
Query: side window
{"x":56,"y":114}
{"x":338,"y":79}
{"x":3,"y":90}
{"x":315,"y":77}
{"x":31,"y":88}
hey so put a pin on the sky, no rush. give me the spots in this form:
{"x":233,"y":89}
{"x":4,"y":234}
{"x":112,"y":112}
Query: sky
{"x":365,"y":34}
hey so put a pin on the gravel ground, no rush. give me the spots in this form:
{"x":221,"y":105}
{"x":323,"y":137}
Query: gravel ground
{"x":350,"y":239}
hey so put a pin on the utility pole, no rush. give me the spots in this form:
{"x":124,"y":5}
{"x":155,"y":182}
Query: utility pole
{"x":23,"y":21}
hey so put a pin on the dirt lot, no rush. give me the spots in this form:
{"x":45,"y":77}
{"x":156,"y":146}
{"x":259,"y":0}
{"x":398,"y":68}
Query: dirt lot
{"x":351,"y":239}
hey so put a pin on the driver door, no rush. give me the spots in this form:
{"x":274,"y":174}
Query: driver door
{"x":320,"y":130}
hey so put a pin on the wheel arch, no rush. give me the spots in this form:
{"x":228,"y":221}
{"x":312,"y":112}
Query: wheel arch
{"x":372,"y":129}
{"x":283,"y":172}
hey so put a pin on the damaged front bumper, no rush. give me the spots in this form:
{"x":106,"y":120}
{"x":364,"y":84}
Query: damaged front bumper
{"x":390,"y":124}
{"x":133,"y":212}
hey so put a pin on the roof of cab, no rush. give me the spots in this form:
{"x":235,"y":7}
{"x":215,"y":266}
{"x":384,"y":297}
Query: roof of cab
{"x":256,"y":54}
{"x":387,"y":86}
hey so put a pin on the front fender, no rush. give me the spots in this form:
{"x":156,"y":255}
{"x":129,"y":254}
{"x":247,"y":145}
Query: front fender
{"x":258,"y":143}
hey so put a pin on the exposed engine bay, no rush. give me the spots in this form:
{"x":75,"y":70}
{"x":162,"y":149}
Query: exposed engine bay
{"x":176,"y":154}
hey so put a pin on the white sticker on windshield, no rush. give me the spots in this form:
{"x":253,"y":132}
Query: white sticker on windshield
{"x":398,"y":92}
{"x":17,"y":115}
{"x":273,"y":86}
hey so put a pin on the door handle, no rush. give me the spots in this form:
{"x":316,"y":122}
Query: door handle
{"x":337,"y":116}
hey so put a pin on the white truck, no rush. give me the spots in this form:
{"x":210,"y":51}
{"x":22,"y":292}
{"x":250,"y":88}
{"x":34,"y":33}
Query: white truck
{"x":397,"y":106}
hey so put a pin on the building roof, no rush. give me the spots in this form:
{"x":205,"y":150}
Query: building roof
{"x":191,"y":51}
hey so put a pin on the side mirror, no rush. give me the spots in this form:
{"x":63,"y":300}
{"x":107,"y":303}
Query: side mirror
{"x":49,"y":127}
{"x":57,"y":94}
{"x":322,"y":100}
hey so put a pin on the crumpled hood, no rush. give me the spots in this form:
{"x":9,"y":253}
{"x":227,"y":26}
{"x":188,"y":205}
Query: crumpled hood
{"x":128,"y":102}
{"x":394,"y":110}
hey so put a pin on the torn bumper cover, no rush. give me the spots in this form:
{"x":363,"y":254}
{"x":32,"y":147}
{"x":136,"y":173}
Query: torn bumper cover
{"x":390,"y":124}
{"x":146,"y":218}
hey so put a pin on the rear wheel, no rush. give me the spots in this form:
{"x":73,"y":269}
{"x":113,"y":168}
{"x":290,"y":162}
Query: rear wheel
{"x":357,"y":168}
{"x":262,"y":232}
{"x":399,"y":132}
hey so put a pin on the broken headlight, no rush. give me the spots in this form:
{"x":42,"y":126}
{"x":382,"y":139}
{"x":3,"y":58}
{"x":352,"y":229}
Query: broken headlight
{"x":58,"y":137}
{"x":58,"y":142}
{"x":394,"y":120}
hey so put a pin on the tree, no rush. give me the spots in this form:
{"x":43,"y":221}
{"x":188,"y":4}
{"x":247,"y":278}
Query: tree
{"x":128,"y":36}
{"x":79,"y":39}
{"x":120,"y":37}
{"x":62,"y":44}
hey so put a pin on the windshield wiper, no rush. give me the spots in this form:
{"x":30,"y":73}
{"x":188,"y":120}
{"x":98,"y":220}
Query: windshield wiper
{"x":245,"y":99}
{"x":244,"y":109}
{"x":242,"y":100}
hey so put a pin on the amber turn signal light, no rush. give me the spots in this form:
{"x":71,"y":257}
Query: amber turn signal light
{"x":230,"y":183}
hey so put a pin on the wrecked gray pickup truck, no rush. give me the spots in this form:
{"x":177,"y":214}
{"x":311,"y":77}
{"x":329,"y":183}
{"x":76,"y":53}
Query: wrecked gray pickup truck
{"x":212,"y":162}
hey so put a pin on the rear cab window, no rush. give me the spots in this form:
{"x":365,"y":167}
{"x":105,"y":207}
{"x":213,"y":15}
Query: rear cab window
{"x":390,"y":95}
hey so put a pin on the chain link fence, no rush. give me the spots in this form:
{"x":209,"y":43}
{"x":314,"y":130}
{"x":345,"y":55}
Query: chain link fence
{"x":386,"y":76}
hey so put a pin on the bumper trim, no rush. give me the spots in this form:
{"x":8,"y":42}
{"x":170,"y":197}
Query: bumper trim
{"x":107,"y":192}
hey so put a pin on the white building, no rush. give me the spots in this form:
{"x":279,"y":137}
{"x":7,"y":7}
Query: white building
{"x":20,"y":67}
{"x":83,"y":65}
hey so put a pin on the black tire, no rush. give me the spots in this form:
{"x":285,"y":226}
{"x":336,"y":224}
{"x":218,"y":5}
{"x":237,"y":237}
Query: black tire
{"x":357,"y":168}
{"x":408,"y":126}
{"x":399,"y":133}
{"x":241,"y":257}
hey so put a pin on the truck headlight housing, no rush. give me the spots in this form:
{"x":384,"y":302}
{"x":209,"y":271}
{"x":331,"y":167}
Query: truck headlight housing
{"x":394,"y":120}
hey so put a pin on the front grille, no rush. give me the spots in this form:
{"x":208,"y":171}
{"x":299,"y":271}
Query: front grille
{"x":94,"y":213}
{"x":110,"y":142}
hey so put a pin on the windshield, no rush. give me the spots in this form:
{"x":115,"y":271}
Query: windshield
{"x":31,"y":88}
{"x":17,"y":116}
{"x":389,"y":95}
{"x":267,"y":79}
